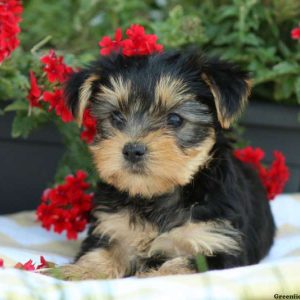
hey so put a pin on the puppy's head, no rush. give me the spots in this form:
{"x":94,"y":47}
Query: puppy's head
{"x":157,"y":116}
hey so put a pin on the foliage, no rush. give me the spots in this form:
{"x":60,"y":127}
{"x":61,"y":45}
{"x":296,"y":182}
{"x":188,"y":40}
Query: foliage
{"x":256,"y":34}
{"x":253,"y":33}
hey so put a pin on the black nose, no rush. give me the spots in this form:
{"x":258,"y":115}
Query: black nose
{"x":134,"y":152}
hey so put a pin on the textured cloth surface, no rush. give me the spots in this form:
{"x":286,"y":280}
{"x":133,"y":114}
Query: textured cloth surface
{"x":21,"y":238}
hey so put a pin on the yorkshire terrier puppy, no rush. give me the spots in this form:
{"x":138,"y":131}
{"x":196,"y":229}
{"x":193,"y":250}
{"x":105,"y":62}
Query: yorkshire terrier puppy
{"x":171,"y":188}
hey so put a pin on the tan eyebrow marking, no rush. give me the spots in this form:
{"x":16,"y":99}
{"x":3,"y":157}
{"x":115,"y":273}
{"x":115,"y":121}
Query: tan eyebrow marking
{"x":171,"y":91}
{"x":118,"y":93}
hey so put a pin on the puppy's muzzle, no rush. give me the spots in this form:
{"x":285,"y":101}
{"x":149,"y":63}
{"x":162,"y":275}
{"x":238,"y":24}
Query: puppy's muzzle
{"x":134,"y":152}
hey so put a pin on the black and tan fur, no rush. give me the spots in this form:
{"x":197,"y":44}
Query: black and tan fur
{"x":182,"y":193}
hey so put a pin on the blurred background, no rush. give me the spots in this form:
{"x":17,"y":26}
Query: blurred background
{"x":255,"y":34}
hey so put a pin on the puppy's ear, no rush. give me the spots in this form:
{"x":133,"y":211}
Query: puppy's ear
{"x":78,"y":91}
{"x":230,"y":88}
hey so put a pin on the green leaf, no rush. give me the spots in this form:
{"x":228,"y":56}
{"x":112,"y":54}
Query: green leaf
{"x":252,"y":39}
{"x":229,"y":11}
{"x":286,"y":67}
{"x":23,"y":124}
{"x":284,"y":88}
{"x":6,"y":87}
{"x":227,"y":39}
{"x":17,"y":105}
{"x":201,"y":263}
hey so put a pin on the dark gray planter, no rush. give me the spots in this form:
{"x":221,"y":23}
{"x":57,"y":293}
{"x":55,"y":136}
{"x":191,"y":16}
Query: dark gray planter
{"x":28,"y":166}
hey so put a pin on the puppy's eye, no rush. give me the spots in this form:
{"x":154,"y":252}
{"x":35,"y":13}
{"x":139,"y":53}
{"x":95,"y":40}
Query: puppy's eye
{"x":117,"y":119}
{"x":174,"y":120}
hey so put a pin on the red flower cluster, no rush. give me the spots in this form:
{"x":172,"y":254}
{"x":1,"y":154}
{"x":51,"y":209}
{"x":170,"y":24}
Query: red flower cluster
{"x":108,"y":45}
{"x":29,"y":265}
{"x":55,"y":68}
{"x":57,"y":103}
{"x":57,"y":72}
{"x":67,"y":206}
{"x":10,"y":16}
{"x":137,"y":43}
{"x":89,"y":127}
{"x":250,"y":155}
{"x":295,"y":33}
{"x":273,"y":178}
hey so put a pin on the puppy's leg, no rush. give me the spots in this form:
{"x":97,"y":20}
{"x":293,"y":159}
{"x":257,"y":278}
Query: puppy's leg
{"x":98,"y":263}
{"x":190,"y":239}
{"x":185,"y":242}
{"x":98,"y":258}
{"x":174,"y":266}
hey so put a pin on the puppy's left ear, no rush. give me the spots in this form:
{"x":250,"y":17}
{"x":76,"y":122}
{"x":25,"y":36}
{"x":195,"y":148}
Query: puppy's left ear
{"x":230,"y":88}
{"x":78,"y":91}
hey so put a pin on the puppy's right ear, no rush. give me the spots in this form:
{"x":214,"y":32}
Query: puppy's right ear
{"x":78,"y":91}
{"x":230,"y":88}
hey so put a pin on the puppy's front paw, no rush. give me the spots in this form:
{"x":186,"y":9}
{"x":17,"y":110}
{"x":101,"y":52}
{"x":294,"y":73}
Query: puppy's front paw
{"x":175,"y":266}
{"x":66,"y":272}
{"x":74,"y":272}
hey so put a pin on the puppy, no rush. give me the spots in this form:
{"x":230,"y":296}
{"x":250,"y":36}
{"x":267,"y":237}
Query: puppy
{"x":171,"y":188}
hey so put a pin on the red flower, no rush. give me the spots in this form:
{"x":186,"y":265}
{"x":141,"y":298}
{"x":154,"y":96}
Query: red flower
{"x":55,"y":68}
{"x":53,"y":98}
{"x":276,"y":176}
{"x":250,"y":155}
{"x":89,"y":124}
{"x":140,"y":43}
{"x":66,"y":207}
{"x":273,"y":178}
{"x":108,"y":45}
{"x":1,"y":263}
{"x":62,"y":110}
{"x":57,"y":102}
{"x":295,"y":33}
{"x":10,"y":12}
{"x":137,"y":43}
{"x":34,"y":94}
{"x":28,"y":266}
{"x":43,"y":263}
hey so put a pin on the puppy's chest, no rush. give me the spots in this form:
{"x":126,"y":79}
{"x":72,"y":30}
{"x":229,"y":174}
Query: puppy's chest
{"x":134,"y":235}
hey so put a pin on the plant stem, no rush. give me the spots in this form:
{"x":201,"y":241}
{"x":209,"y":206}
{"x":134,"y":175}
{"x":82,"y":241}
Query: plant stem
{"x":40,"y":44}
